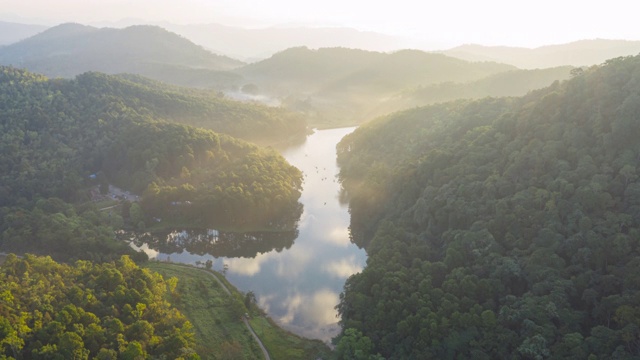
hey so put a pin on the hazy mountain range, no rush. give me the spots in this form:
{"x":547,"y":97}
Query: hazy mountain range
{"x":331,"y":86}
{"x":578,"y":53}
{"x":334,"y":86}
{"x":253,"y":44}
{"x":13,"y":32}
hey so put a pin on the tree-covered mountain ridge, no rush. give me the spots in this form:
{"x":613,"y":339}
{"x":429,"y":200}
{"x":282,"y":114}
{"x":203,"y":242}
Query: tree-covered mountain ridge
{"x":500,"y":228}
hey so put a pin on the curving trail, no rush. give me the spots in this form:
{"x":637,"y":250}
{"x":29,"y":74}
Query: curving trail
{"x":244,"y":319}
{"x":255,"y":336}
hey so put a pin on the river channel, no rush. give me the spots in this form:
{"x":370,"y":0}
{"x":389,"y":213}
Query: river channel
{"x":297,"y":284}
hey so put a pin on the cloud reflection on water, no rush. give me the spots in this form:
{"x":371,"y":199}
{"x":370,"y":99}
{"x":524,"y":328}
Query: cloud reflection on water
{"x":343,"y":268}
{"x":248,"y":266}
{"x":338,"y":236}
{"x":311,"y":315}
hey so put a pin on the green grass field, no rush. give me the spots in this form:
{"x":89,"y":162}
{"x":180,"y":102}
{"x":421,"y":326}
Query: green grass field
{"x":282,"y":344}
{"x":220,"y":333}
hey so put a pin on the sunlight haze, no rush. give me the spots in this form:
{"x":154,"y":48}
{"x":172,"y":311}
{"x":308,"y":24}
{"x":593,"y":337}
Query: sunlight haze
{"x":450,"y":23}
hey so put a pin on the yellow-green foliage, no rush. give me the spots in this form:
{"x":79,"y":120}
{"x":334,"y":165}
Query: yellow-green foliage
{"x":80,"y":311}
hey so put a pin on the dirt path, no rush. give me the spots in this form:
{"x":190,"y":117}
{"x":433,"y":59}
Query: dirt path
{"x":244,"y":319}
{"x":255,"y":336}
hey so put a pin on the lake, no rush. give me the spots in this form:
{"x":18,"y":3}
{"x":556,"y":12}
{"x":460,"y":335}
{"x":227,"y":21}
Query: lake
{"x":297,"y":276}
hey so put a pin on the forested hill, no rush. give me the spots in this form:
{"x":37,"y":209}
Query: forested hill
{"x":56,"y":133}
{"x":70,"y":49}
{"x":336,"y":86}
{"x":201,"y":108}
{"x":500,"y":228}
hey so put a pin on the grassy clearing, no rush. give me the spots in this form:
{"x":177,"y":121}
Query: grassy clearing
{"x":282,"y":344}
{"x":219,"y":333}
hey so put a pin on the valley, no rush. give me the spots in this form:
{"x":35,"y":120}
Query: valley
{"x":359,"y":198}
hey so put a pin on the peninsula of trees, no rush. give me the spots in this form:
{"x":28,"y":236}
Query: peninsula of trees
{"x":60,"y":134}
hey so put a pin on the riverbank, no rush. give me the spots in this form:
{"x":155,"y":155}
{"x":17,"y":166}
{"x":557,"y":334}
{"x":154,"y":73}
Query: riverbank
{"x":219,"y":328}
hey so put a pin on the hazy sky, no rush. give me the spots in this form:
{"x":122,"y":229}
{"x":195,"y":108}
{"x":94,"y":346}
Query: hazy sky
{"x":490,"y":22}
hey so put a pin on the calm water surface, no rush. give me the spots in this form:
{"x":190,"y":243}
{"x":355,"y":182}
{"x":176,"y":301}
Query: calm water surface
{"x":297,"y":284}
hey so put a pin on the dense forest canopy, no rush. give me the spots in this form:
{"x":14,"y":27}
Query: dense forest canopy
{"x":57,"y":134}
{"x":114,"y":310}
{"x":500,"y":228}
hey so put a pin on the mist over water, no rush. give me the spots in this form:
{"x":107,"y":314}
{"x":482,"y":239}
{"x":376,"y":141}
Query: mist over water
{"x":299,"y":285}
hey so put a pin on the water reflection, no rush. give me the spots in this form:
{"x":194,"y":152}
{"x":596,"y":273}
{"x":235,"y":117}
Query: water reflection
{"x":217,"y":243}
{"x":299,"y":282}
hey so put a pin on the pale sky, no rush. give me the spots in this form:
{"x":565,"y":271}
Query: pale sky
{"x":488,"y":22}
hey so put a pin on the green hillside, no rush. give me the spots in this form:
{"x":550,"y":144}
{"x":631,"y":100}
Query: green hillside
{"x":500,"y":228}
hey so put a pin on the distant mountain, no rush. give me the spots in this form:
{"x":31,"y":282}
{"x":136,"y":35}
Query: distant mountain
{"x":13,"y":32}
{"x":579,"y":53}
{"x":251,"y":44}
{"x":336,"y":86}
{"x":334,"y":69}
{"x":70,"y":49}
